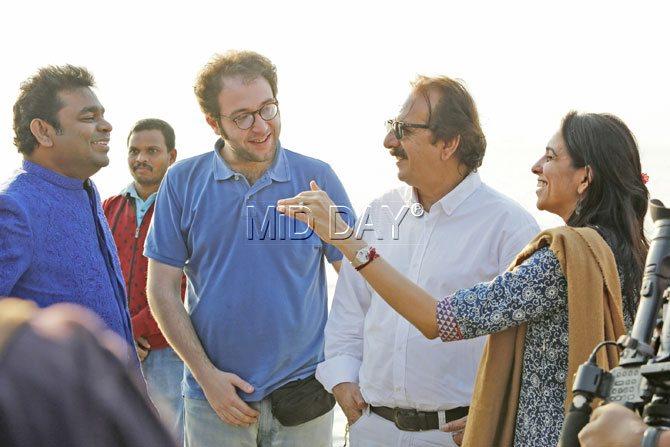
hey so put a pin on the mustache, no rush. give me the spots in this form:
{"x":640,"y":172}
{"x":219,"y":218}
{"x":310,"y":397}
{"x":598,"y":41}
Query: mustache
{"x":398,"y":152}
{"x":142,"y":165}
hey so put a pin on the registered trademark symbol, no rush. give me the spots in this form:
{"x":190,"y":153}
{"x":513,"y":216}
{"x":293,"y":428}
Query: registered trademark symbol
{"x":416,"y":210}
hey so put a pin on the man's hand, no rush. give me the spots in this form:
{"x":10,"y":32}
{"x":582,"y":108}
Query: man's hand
{"x":142,"y":345}
{"x":456,"y":428}
{"x":348,"y":396}
{"x":613,"y":425}
{"x":220,"y":390}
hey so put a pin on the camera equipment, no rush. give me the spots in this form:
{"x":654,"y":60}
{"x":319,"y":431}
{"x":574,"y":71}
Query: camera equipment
{"x":642,"y":380}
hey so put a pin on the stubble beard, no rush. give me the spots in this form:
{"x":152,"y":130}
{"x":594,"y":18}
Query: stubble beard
{"x":245,"y":155}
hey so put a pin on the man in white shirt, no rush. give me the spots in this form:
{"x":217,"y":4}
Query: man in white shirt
{"x":445,"y":230}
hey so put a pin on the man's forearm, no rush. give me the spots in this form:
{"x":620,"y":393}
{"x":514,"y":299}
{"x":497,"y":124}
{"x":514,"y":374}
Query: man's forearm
{"x":175,"y":323}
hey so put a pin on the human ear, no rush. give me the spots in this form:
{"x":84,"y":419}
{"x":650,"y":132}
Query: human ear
{"x":586,"y":180}
{"x":43,"y":132}
{"x":448,"y":148}
{"x":213,"y":123}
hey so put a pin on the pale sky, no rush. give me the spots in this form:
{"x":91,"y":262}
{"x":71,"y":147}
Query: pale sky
{"x":344,"y":67}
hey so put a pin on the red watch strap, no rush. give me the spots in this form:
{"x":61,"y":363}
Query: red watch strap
{"x":372,"y":255}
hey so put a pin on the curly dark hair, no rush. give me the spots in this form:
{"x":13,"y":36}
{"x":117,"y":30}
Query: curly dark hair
{"x":454,"y":114}
{"x":616,"y":200}
{"x":248,"y":64}
{"x":38,"y":98}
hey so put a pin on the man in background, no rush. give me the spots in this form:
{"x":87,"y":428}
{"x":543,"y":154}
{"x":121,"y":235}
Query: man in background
{"x":151,"y":150}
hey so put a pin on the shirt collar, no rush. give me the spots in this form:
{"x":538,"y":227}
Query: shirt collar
{"x":454,"y":198}
{"x":278,"y":171}
{"x":52,"y":176}
{"x":131,"y":191}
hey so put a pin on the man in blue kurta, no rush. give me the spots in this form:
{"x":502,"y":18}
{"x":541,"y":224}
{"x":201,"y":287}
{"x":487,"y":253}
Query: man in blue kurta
{"x":256,"y":299}
{"x":55,"y":244}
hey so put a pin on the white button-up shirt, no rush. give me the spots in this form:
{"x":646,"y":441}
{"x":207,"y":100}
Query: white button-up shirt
{"x":469,"y":236}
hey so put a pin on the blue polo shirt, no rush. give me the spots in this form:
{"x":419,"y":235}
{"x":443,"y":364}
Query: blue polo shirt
{"x":257,"y":283}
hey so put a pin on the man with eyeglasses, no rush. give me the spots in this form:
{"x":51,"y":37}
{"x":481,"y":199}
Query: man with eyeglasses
{"x":256,"y":300}
{"x":445,"y":230}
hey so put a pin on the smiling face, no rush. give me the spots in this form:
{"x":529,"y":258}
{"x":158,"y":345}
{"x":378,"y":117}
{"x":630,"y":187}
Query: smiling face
{"x":239,"y":96}
{"x":559,"y":183}
{"x":149,"y":157}
{"x":80,"y":147}
{"x":416,"y":154}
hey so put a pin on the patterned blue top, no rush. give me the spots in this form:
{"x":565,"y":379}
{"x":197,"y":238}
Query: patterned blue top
{"x":56,"y":246}
{"x":535,"y":293}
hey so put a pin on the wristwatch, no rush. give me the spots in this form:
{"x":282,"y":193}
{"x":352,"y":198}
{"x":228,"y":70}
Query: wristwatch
{"x":363,"y":257}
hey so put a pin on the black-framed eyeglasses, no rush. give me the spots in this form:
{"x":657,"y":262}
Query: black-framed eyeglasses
{"x":246,"y":120}
{"x":398,"y":127}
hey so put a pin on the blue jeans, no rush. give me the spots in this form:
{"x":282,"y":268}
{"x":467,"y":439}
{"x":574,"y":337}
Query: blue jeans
{"x":163,"y":370}
{"x":203,"y":428}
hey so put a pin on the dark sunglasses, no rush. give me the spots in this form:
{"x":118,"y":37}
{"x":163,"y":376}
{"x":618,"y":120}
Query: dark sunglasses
{"x":398,"y":127}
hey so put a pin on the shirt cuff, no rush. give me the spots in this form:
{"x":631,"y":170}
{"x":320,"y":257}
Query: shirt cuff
{"x":446,"y":321}
{"x":336,"y":370}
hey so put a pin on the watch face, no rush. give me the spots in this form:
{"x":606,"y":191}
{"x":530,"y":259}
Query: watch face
{"x":362,"y":255}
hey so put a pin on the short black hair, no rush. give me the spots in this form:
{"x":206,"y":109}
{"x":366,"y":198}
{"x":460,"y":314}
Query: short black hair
{"x":155,"y":124}
{"x":38,"y":98}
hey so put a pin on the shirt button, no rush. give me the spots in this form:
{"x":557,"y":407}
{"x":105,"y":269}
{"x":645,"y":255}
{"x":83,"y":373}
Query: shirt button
{"x":237,"y":176}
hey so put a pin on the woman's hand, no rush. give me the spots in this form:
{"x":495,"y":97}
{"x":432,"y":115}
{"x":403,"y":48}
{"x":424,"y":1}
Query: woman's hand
{"x":318,"y":211}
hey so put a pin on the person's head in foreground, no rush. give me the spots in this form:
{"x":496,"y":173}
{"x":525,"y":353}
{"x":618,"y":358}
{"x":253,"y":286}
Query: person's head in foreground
{"x":64,"y":381}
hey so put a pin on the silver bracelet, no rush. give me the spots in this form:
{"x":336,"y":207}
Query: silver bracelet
{"x":650,"y":437}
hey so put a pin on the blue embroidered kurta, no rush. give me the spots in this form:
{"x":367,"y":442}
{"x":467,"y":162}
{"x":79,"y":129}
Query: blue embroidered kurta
{"x":534,"y":293}
{"x":56,"y":246}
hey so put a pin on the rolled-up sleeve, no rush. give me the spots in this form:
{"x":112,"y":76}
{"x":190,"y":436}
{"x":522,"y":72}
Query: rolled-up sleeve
{"x":344,"y":330}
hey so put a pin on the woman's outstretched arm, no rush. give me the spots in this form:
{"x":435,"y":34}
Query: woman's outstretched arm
{"x":408,"y":299}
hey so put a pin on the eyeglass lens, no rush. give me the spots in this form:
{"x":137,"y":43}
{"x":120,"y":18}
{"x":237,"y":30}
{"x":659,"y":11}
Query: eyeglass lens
{"x":267,"y":112}
{"x":397,"y":128}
